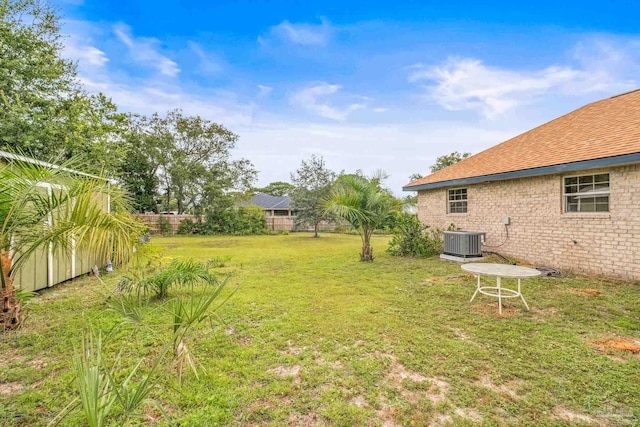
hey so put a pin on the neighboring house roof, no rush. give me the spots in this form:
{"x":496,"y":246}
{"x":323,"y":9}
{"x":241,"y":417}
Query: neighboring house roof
{"x":267,"y":201}
{"x":603,"y":133}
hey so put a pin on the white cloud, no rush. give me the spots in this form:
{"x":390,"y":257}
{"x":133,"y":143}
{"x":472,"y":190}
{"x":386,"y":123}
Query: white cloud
{"x":380,"y":110}
{"x":85,"y":55}
{"x":146,"y":51}
{"x":314,"y":98}
{"x":208,"y":63}
{"x":468,"y":84}
{"x":80,"y":46}
{"x":264,"y":91}
{"x":300,"y":33}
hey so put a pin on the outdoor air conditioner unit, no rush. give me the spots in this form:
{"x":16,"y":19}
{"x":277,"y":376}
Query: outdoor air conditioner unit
{"x":463,"y":244}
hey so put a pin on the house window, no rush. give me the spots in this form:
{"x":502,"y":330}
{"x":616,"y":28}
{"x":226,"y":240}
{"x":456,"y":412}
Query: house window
{"x":586,"y":193}
{"x":458,"y":200}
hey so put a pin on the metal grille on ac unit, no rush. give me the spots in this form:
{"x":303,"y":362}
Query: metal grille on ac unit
{"x":464,"y":244}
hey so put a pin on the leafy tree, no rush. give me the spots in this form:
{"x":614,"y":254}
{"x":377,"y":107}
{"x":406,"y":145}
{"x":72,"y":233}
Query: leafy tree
{"x":448,"y":160}
{"x":32,"y":219}
{"x":276,"y":188}
{"x":139,"y":170}
{"x":365,"y":204}
{"x":312,"y":182}
{"x":191,"y":158}
{"x":412,"y":199}
{"x":415,"y":176}
{"x":43,"y":110}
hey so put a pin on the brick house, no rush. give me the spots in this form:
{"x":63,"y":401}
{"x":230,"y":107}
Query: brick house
{"x":570,"y":189}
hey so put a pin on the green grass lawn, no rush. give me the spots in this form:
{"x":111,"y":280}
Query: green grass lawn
{"x":315,"y":337}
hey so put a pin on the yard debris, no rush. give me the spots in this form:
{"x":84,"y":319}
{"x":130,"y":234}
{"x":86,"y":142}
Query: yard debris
{"x":578,"y":291}
{"x":549,"y":271}
{"x":95,"y":271}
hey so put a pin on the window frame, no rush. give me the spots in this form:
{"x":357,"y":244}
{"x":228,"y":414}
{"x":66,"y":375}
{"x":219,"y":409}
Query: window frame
{"x":587,"y":194}
{"x":451,"y":201}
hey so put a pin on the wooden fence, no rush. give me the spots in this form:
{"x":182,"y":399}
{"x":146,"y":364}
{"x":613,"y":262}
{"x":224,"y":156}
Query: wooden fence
{"x":288,"y":223}
{"x":274,"y":223}
{"x":153,"y":221}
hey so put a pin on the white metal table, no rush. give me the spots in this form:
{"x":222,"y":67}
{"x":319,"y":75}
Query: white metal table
{"x":500,"y":271}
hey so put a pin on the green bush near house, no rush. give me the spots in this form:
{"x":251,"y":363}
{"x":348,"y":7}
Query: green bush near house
{"x":411,"y":238}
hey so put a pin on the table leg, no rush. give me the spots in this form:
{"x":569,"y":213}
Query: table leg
{"x":498,"y":284}
{"x":477,"y":289}
{"x":522,"y":296}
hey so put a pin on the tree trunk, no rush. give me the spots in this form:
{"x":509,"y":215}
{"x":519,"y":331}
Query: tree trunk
{"x":11,"y":315}
{"x":367,"y":250}
{"x":315,"y":229}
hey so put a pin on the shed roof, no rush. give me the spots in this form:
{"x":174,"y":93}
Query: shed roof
{"x":21,"y":158}
{"x":267,"y":201}
{"x":606,"y":129}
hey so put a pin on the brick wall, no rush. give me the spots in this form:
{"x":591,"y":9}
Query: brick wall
{"x":598,"y":243}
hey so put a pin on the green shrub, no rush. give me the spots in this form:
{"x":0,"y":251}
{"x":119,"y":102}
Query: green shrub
{"x":164,"y":226}
{"x":187,"y":226}
{"x":240,"y":222}
{"x":411,"y":238}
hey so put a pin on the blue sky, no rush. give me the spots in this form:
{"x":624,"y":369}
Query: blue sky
{"x":368,"y":85}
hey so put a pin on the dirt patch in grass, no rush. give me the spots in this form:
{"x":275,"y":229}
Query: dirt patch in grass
{"x":469,"y":413}
{"x":245,"y":340}
{"x":292,"y":350}
{"x":386,"y":413}
{"x":38,"y":363}
{"x":307,"y":420}
{"x":631,"y":345}
{"x":508,"y":389}
{"x":459,"y":333}
{"x":565,"y":414}
{"x":397,"y":373}
{"x":10,"y":356}
{"x":10,"y":388}
{"x":441,"y":420}
{"x":592,"y":292}
{"x":491,"y":309}
{"x":287,"y":371}
{"x":360,"y":401}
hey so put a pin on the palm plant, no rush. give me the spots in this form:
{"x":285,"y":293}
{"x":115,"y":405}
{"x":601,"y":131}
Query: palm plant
{"x":365,"y":204}
{"x":42,"y":207}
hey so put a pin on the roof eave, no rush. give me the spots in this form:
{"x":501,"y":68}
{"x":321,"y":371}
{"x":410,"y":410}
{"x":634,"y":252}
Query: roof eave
{"x":523,"y":173}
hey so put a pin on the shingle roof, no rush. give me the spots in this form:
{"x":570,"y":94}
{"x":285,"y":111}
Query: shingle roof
{"x":267,"y":201}
{"x":606,"y":128}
